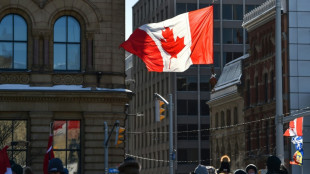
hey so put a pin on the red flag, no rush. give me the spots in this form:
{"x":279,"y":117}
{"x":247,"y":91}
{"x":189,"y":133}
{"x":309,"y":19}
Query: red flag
{"x":174,"y":44}
{"x":48,"y":155}
{"x":5,"y":167}
{"x":295,"y":128}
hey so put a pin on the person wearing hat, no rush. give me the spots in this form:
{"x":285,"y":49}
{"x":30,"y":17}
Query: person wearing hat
{"x":239,"y":171}
{"x":129,"y":166}
{"x":16,"y":168}
{"x":55,"y":166}
{"x":201,"y":169}
{"x":274,"y":165}
{"x":251,"y":169}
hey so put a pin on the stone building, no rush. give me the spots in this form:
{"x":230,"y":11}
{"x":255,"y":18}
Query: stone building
{"x":60,"y":63}
{"x":259,"y":82}
{"x":227,"y":135}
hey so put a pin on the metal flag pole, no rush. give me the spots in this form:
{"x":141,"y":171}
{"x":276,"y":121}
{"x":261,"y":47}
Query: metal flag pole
{"x":279,"y":97}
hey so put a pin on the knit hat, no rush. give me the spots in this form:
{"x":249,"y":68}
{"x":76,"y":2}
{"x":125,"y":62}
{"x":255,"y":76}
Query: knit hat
{"x":66,"y":171}
{"x":201,"y":169}
{"x":240,"y":171}
{"x":55,"y":165}
{"x":130,"y":165}
{"x":251,"y":166}
{"x":225,"y":167}
{"x":273,"y":163}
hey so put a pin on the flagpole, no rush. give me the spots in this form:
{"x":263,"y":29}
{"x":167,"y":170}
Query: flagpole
{"x":198,"y":105}
{"x":279,"y":97}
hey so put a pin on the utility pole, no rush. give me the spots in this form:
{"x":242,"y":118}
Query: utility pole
{"x":279,"y":97}
{"x":169,"y":106}
{"x":107,"y":136}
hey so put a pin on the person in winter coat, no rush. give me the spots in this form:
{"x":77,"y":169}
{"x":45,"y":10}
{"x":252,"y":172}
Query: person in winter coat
{"x":224,"y":168}
{"x":55,"y":166}
{"x":274,"y":165}
{"x":27,"y":170}
{"x":129,"y":166}
{"x":201,"y":169}
{"x":239,"y":171}
{"x":251,"y":169}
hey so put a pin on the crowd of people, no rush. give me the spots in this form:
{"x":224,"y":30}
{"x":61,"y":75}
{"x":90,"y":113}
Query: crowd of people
{"x":131,"y":166}
{"x":55,"y":166}
{"x":273,"y":164}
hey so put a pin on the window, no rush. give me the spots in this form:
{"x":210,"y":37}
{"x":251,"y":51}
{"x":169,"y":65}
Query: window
{"x":216,"y":11}
{"x":228,"y":117}
{"x":232,"y":35}
{"x":237,"y":12}
{"x":216,"y":120}
{"x":256,"y":89}
{"x":204,"y":108}
{"x":272,"y":85}
{"x":182,"y":134}
{"x":67,"y":44}
{"x":227,"y":12}
{"x":185,"y":7}
{"x":13,"y":42}
{"x":229,"y":56}
{"x":236,"y":115}
{"x":217,"y":59}
{"x":67,"y":144}
{"x":205,"y":133}
{"x":14,"y":131}
{"x":266,"y":88}
{"x":205,"y":156}
{"x":232,"y":12}
{"x":188,"y":83}
{"x":222,"y":119}
{"x":248,"y":93}
{"x":216,"y":35}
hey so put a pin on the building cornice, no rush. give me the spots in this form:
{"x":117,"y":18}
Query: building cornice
{"x":260,"y":15}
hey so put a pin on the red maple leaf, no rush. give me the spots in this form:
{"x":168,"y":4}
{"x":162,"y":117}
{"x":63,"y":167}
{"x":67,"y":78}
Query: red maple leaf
{"x":171,"y":46}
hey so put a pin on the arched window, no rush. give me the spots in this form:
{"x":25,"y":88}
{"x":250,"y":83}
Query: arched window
{"x":222,"y":119}
{"x":228,"y":117}
{"x":13,"y":42}
{"x":236,"y":115}
{"x":67,"y":44}
{"x":216,"y":120}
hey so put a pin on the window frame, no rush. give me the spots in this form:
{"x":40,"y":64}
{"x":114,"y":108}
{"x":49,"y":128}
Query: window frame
{"x":66,"y":149}
{"x":66,"y":43}
{"x":16,"y":41}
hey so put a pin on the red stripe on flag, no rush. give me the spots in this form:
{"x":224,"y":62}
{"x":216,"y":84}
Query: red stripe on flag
{"x":5,"y":166}
{"x":142,"y":45}
{"x":299,"y":126}
{"x":201,"y":26}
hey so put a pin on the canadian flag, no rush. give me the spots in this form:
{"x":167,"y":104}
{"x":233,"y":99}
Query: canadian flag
{"x":174,"y":44}
{"x":49,"y":154}
{"x":5,"y":167}
{"x":295,"y":128}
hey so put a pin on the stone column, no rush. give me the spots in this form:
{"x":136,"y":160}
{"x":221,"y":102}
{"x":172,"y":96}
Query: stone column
{"x":35,"y":62}
{"x":89,"y":45}
{"x":39,"y":135}
{"x":46,"y":61}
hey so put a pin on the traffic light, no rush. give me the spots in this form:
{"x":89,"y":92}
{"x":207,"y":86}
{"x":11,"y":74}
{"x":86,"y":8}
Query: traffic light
{"x":119,"y":139}
{"x":159,"y":110}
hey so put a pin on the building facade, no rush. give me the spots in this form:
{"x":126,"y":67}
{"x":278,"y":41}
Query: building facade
{"x":190,"y":90}
{"x":259,"y":82}
{"x":60,"y":64}
{"x":227,"y":136}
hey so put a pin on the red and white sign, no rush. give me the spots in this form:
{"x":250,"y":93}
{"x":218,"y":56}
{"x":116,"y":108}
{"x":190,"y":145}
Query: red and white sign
{"x":174,"y":44}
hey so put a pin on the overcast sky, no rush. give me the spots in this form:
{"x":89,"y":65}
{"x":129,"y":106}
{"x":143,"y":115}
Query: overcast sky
{"x":128,"y":18}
